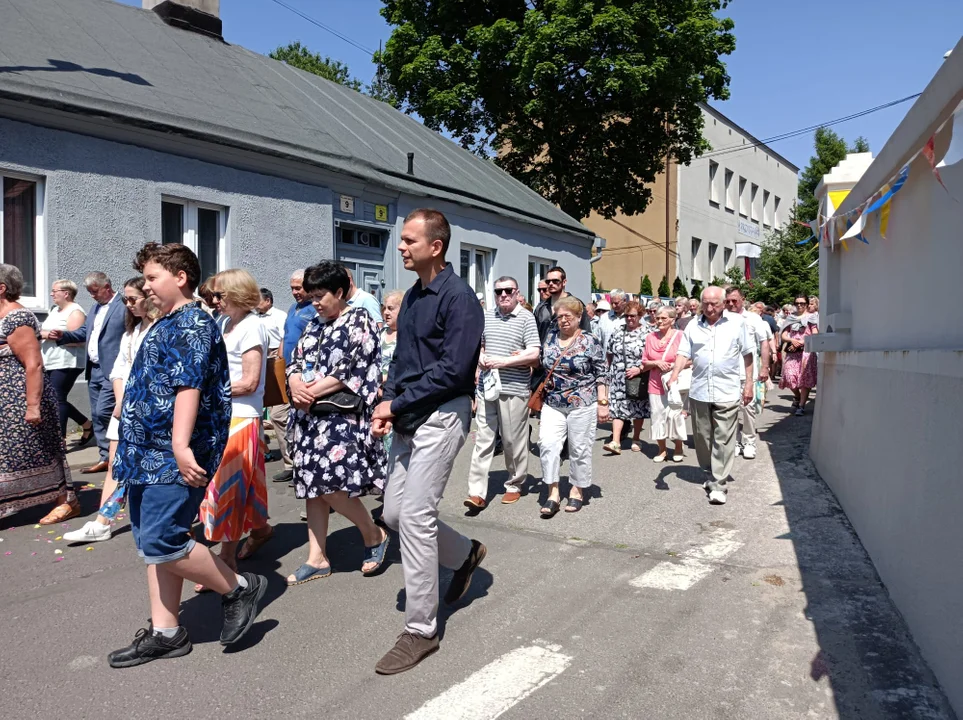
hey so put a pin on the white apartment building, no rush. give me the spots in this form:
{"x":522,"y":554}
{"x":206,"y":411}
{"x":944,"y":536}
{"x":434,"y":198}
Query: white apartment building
{"x":728,"y":200}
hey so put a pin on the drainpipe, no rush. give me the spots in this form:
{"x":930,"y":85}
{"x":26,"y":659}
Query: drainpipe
{"x":599,"y":245}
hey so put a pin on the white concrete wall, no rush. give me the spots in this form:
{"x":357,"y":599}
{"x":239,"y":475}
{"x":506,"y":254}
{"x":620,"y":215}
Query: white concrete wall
{"x":513,"y":245}
{"x":699,"y":218}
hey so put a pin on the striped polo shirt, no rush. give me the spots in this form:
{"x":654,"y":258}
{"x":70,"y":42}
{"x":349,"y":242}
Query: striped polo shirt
{"x":504,"y":334}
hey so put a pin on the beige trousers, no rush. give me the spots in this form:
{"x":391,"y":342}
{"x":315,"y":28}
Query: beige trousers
{"x":714,"y":431}
{"x":278,"y":419}
{"x":507,"y":416}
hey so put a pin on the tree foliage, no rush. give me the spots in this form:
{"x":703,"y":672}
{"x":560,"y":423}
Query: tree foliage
{"x":664,"y":288}
{"x":830,"y":151}
{"x":678,"y":288}
{"x":645,"y":288}
{"x":296,"y":55}
{"x":697,"y":290}
{"x":581,"y":101}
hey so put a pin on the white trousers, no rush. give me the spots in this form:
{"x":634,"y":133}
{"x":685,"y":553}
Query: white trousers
{"x":507,"y":416}
{"x":579,"y":426}
{"x":667,"y":423}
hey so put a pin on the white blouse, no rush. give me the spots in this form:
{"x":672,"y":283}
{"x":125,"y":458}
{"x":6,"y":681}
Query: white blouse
{"x":129,"y":345}
{"x":61,"y":357}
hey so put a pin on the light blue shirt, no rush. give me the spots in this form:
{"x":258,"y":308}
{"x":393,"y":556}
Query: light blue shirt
{"x":367,"y":301}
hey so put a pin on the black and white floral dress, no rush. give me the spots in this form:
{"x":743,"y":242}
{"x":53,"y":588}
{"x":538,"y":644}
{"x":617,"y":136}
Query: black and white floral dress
{"x":626,"y":348}
{"x":338,"y":452}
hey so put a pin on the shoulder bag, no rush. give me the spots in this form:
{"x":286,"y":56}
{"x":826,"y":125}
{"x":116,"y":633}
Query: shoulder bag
{"x":635,"y":388}
{"x":537,"y":399}
{"x":685,"y":376}
{"x":275,"y":382}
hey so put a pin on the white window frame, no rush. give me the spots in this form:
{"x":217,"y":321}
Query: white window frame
{"x":537,"y":277}
{"x":488,"y":253}
{"x":766,"y":209}
{"x":712,"y":253}
{"x":190,"y":227}
{"x":40,"y":301}
{"x":696,"y":245}
{"x":754,"y":203}
{"x":775,"y":211}
{"x":743,"y":205}
{"x":713,"y":183}
{"x":726,"y":258}
{"x":730,"y":199}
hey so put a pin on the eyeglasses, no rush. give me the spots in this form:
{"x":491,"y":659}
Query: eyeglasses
{"x":631,"y":316}
{"x":217,"y":295}
{"x":800,"y":303}
{"x":553,"y":281}
{"x":504,"y":291}
{"x":131,"y":300}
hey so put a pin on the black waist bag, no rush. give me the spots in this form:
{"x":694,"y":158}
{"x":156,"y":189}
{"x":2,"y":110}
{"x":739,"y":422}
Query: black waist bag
{"x":341,"y":402}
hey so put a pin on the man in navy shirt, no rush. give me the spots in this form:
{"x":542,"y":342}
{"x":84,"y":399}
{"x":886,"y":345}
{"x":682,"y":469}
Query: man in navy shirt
{"x":299,"y":315}
{"x":427,"y":399}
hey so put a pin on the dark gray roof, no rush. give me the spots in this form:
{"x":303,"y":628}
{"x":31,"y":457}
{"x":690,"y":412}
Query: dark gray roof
{"x":105,"y":58}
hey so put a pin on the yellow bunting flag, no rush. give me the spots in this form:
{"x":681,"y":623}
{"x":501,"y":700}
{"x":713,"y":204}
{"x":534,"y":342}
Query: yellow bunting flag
{"x":884,"y":219}
{"x":836,"y":197}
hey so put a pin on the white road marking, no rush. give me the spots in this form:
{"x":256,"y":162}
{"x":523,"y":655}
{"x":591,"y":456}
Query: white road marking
{"x":497,"y":687}
{"x":692,"y":567}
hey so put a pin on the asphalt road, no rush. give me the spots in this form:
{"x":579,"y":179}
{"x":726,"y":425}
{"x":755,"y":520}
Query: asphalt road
{"x":649,"y":603}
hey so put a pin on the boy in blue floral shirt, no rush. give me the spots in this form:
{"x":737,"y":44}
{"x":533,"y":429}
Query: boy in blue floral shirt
{"x":174,"y":424}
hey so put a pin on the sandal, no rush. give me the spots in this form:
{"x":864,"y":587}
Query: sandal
{"x":613,"y":447}
{"x":252,"y":543}
{"x":636,"y":447}
{"x":678,"y":458}
{"x":375,"y":554}
{"x":307,"y":573}
{"x":660,"y":458}
{"x":549,"y":509}
{"x":574,"y":505}
{"x":62,"y":512}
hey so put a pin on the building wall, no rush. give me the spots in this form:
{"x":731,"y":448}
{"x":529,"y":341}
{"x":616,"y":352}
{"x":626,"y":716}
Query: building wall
{"x":635,"y":244}
{"x":706,"y":213}
{"x":512,"y":245}
{"x":886,"y":436}
{"x":103,"y":202}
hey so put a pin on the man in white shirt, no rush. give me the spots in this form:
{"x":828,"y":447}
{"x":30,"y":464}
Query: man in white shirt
{"x":720,"y":347}
{"x":612,"y":320}
{"x":273,"y":320}
{"x":761,"y":335}
{"x":359,"y":298}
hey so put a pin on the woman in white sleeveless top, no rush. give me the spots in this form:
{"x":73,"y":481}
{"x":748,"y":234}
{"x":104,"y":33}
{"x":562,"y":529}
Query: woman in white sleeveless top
{"x":65,"y":363}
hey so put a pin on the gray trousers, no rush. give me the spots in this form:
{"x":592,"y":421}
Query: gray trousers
{"x":418,"y":470}
{"x":100,"y":392}
{"x":747,"y":423}
{"x":714,"y":432}
{"x":278,"y":419}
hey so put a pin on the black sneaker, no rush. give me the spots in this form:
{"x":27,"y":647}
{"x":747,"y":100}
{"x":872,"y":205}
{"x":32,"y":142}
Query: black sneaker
{"x":240,"y":608}
{"x":283,"y":476}
{"x":462,"y":578}
{"x":147,"y":646}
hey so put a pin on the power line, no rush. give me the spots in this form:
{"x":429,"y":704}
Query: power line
{"x":803,"y":131}
{"x":321,"y":25}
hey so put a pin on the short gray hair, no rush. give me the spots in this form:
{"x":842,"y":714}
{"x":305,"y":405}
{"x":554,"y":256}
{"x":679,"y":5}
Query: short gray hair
{"x":12,"y":278}
{"x":400,"y":294}
{"x":508,"y":278}
{"x":298,"y":274}
{"x":617,"y":294}
{"x":668,"y":310}
{"x":96,"y":279}
{"x":654,"y":305}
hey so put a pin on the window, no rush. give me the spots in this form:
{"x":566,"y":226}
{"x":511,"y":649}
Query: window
{"x":766,"y":209}
{"x":362,"y":238}
{"x":537,"y":270}
{"x":775,"y":211}
{"x":202,"y":228}
{"x":730,"y":198}
{"x":727,"y":258}
{"x":713,"y":248}
{"x":713,"y":187}
{"x":21,"y":229}
{"x":696,"y":268}
{"x":753,"y":205}
{"x":743,"y":200}
{"x":476,"y":270}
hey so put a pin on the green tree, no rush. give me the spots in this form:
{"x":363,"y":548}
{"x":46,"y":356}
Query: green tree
{"x":296,"y":55}
{"x":678,"y":288}
{"x":830,"y":151}
{"x":595,"y":284}
{"x":697,"y":290}
{"x":646,"y":287}
{"x":783,"y":269}
{"x":664,"y":288}
{"x":581,"y":101}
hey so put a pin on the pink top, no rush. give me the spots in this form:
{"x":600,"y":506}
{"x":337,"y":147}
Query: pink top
{"x":654,"y":347}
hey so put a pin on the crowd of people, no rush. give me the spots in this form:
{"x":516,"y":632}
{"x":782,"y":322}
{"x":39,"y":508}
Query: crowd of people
{"x":363,"y":398}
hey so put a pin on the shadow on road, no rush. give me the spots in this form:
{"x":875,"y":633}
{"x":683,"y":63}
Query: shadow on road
{"x":481,"y":581}
{"x":871,"y":662}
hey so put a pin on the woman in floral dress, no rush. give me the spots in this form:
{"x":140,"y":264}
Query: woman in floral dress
{"x":33,"y":468}
{"x":336,"y":458}
{"x":798,"y":365}
{"x":625,"y":350}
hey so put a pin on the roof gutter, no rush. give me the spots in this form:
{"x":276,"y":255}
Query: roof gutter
{"x":599,"y":245}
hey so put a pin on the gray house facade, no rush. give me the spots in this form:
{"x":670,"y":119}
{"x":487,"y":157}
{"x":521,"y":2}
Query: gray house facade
{"x":117,"y":129}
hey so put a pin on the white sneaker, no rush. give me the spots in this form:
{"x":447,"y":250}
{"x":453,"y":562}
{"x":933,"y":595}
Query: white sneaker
{"x":749,"y":452}
{"x":92,"y":531}
{"x":717,"y":497}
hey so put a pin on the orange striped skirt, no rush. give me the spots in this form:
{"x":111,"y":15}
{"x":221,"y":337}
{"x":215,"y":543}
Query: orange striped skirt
{"x":236,"y":499}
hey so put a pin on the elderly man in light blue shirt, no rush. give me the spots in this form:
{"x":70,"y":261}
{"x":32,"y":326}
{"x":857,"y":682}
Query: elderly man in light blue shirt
{"x":720,"y":346}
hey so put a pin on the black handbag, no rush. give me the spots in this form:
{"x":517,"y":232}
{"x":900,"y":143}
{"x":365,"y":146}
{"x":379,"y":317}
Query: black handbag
{"x":340,"y":402}
{"x":636,"y":388}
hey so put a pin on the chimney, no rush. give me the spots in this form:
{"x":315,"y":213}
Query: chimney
{"x":200,"y":16}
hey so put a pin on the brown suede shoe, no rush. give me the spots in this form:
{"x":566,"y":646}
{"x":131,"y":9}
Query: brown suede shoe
{"x":475,"y":502}
{"x":410,"y":650}
{"x":511,"y":497}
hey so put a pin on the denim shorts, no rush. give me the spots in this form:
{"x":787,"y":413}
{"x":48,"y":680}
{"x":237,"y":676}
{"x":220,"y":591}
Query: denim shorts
{"x":161,"y":517}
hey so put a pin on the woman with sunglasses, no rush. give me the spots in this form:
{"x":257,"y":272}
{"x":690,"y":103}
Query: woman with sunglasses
{"x":137,"y":321}
{"x":798,"y":365}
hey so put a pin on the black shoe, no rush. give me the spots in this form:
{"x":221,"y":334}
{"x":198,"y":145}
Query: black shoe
{"x":240,"y":608}
{"x":147,"y":646}
{"x":283,"y":476}
{"x":462,"y":578}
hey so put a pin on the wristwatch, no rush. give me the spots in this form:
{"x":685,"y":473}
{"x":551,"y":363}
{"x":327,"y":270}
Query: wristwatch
{"x":604,"y":403}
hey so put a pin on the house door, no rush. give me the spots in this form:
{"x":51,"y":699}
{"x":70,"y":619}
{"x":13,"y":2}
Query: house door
{"x":363,"y":253}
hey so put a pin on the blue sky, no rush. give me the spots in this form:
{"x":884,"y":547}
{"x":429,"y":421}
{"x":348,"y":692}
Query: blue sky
{"x":797,"y":62}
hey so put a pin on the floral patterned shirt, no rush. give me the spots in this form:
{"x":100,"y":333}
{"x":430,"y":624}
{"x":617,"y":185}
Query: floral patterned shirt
{"x":578,"y":373}
{"x":183,"y":349}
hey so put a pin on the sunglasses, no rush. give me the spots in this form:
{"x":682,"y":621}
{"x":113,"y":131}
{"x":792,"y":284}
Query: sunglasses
{"x":504,"y":291}
{"x":553,"y":281}
{"x":217,"y":295}
{"x":131,"y":300}
{"x":800,"y":303}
